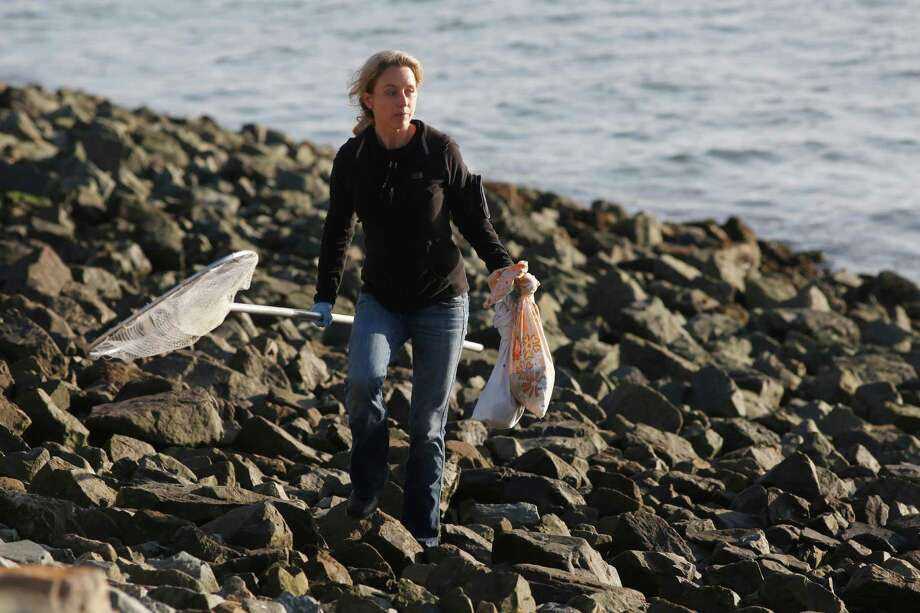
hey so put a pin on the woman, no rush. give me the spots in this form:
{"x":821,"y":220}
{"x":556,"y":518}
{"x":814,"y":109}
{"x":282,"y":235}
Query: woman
{"x":405,"y":182}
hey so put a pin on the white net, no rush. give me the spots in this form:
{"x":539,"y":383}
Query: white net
{"x":182,"y":315}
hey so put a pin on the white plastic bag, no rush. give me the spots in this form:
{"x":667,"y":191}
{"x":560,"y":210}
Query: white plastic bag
{"x":524,"y":375}
{"x":496,"y":406}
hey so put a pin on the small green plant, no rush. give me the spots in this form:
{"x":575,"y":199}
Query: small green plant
{"x":17,"y":197}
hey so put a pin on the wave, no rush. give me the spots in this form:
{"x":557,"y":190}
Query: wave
{"x":742,"y":155}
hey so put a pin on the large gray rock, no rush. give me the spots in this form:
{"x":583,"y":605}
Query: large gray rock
{"x":671,"y":447}
{"x":827,"y":328}
{"x":614,"y":291}
{"x":506,"y":591}
{"x":614,"y":480}
{"x":872,"y":586}
{"x":325,"y":569}
{"x":641,"y":404}
{"x":716,"y":394}
{"x":506,"y":485}
{"x":258,"y":435}
{"x":36,"y":517}
{"x":61,"y":479}
{"x":744,"y":577}
{"x":542,"y":461}
{"x":573,"y":445}
{"x":468,"y":540}
{"x":144,"y":575}
{"x":733,"y":264}
{"x":797,"y":475}
{"x":706,"y":442}
{"x":654,"y":573}
{"x":25,"y":552}
{"x":307,"y":370}
{"x":586,"y":355}
{"x":196,"y":542}
{"x":120,"y":446}
{"x":41,"y":271}
{"x":613,"y":502}
{"x":643,"y":229}
{"x":20,"y":125}
{"x":80,"y":545}
{"x":204,"y":372}
{"x":253,"y":526}
{"x":708,"y":598}
{"x":381,"y":531}
{"x":700,"y":533}
{"x":794,"y":592}
{"x":104,"y":283}
{"x":643,"y":531}
{"x":24,"y":465}
{"x":614,"y":600}
{"x":769,"y":291}
{"x":12,"y":417}
{"x":108,"y":144}
{"x":163,"y":468}
{"x":517,"y":513}
{"x":654,"y":360}
{"x":568,"y":553}
{"x":698,"y":488}
{"x":157,"y":232}
{"x":871,"y":367}
{"x":6,"y":378}
{"x":185,"y":501}
{"x":50,"y":423}
{"x":713,"y":326}
{"x":738,"y":433}
{"x":223,"y":382}
{"x":184,"y":598}
{"x":187,"y":418}
{"x":29,"y":350}
{"x":555,"y":585}
{"x":653,"y":321}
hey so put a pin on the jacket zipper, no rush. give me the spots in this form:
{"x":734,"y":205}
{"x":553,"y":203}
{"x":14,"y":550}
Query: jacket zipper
{"x":386,"y":187}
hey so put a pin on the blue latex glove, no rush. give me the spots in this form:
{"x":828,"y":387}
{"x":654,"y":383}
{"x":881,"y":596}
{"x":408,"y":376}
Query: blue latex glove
{"x":324,"y":309}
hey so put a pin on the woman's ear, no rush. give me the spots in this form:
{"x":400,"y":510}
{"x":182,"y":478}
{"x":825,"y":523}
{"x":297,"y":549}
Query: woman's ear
{"x":368,"y":100}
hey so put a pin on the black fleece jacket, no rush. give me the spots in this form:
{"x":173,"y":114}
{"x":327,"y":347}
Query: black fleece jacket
{"x":405,"y":198}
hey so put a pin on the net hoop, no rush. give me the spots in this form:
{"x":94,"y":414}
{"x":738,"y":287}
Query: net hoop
{"x":183,"y":314}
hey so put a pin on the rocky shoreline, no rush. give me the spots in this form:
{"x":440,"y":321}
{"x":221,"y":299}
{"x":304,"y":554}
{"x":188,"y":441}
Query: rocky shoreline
{"x":732,"y":429}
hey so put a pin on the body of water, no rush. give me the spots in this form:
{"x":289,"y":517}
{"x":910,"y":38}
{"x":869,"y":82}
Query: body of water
{"x":802,"y":118}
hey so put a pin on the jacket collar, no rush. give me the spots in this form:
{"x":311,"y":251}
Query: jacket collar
{"x":370,"y":143}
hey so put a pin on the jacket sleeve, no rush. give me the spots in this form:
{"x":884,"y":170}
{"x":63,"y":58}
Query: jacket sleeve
{"x":337,"y":232}
{"x":469,"y":210}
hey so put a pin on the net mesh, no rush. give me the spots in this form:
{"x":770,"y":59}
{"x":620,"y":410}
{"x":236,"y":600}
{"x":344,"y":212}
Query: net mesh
{"x":182,"y":315}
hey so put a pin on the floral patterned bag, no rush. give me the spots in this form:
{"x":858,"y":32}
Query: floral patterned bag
{"x":526,"y":357}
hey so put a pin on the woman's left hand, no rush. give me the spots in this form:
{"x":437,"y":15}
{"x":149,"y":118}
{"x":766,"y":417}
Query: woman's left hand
{"x":526,"y":284}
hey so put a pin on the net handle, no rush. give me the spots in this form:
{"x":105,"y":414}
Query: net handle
{"x":258,"y":309}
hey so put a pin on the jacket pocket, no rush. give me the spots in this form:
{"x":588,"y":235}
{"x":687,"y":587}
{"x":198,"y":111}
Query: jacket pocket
{"x":426,"y":201}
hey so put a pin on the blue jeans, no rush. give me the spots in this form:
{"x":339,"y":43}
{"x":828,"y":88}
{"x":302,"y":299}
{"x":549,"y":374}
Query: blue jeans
{"x":437,"y":334}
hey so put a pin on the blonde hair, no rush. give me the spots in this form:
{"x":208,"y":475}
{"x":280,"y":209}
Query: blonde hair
{"x":365,"y":79}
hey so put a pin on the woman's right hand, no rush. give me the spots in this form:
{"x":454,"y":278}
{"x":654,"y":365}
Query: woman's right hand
{"x":325,"y":310}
